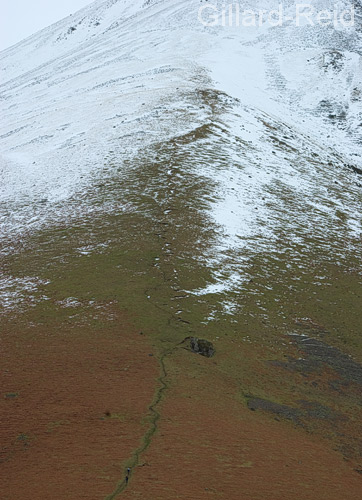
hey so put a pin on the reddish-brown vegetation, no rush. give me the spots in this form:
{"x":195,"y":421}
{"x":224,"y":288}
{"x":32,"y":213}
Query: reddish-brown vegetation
{"x":72,"y":407}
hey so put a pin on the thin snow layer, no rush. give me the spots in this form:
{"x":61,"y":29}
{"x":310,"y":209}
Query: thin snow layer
{"x":106,"y":94}
{"x":19,"y":292}
{"x":291,"y":138}
{"x":101,"y":86}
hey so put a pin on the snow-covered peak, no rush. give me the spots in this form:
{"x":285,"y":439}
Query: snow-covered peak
{"x":81,"y":97}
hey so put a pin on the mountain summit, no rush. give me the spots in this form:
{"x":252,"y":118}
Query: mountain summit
{"x":117,"y":76}
{"x":180,"y":286}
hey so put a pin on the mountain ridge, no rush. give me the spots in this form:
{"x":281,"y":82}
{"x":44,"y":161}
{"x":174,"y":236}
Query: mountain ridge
{"x":103,"y":99}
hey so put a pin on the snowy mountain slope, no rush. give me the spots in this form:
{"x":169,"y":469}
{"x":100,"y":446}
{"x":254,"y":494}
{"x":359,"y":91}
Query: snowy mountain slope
{"x":88,"y":100}
{"x":99,"y":87}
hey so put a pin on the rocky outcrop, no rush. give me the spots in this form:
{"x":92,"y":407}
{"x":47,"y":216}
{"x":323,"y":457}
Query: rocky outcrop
{"x":199,"y":346}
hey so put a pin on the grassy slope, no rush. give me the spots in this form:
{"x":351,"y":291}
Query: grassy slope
{"x":155,"y":251}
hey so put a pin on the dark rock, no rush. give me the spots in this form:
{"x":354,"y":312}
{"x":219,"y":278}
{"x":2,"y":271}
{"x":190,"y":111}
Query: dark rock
{"x":355,"y":169}
{"x":199,"y":346}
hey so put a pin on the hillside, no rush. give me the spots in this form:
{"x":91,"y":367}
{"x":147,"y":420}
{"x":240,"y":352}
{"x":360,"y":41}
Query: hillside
{"x":164,"y":181}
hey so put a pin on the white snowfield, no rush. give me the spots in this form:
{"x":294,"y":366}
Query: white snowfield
{"x":111,"y":80}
